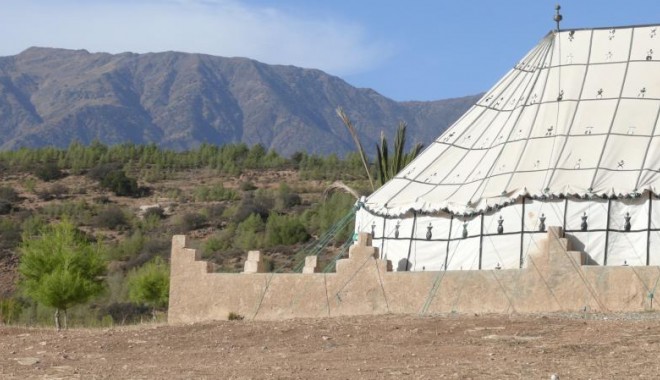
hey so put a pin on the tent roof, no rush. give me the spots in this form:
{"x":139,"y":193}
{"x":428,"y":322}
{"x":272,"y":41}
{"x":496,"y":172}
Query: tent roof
{"x":577,"y":115}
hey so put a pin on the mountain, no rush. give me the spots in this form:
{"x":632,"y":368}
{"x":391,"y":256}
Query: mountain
{"x":179,"y":100}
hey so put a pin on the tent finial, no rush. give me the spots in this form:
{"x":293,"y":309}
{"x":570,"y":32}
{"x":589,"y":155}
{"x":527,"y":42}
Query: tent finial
{"x":558,"y":17}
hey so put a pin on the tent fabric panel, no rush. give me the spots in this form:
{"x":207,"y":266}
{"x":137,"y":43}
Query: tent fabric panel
{"x":575,"y":47}
{"x":501,"y":251}
{"x":576,"y":157}
{"x":465,"y":167}
{"x":470,"y":224}
{"x":524,"y":123}
{"x":655,"y":213}
{"x":439,"y":227}
{"x":617,"y":154}
{"x":642,"y":81}
{"x":569,"y":90}
{"x":595,"y":211}
{"x":592,"y":243}
{"x":610,"y":45}
{"x":635,"y":117}
{"x":626,"y":248}
{"x":594,"y":117}
{"x":604,"y":81}
{"x":510,"y":217}
{"x":396,"y":250}
{"x":463,"y":254}
{"x":421,"y":162}
{"x":654,"y":254}
{"x":637,"y":209}
{"x":436,"y":197}
{"x":551,"y":210}
{"x":428,"y":255}
{"x":613,"y":182}
{"x":646,"y":43}
{"x":484,"y":165}
{"x":540,"y":154}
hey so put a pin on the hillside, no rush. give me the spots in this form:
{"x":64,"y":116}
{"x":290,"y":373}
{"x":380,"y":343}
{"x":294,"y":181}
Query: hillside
{"x":179,"y":100}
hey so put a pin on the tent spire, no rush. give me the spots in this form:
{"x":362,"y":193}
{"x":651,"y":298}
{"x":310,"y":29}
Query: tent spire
{"x":558,"y":17}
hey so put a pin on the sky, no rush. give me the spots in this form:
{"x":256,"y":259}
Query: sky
{"x":405,"y":50}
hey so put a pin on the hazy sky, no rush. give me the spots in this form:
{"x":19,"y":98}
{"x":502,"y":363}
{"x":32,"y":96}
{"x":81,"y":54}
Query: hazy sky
{"x":406,"y":50}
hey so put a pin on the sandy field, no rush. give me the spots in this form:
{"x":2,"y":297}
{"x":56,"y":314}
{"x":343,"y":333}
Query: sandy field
{"x":375,"y":347}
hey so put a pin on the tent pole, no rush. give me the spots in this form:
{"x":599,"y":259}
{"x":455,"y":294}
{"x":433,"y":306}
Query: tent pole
{"x":451,"y":225}
{"x":481,"y":240}
{"x":522,"y":232}
{"x":412,"y":236}
{"x":607,"y":230}
{"x":648,"y":231}
{"x":382,"y":239}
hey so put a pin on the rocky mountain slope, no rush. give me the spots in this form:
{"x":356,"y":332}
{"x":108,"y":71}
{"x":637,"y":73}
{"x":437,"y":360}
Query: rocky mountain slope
{"x":178,"y":100}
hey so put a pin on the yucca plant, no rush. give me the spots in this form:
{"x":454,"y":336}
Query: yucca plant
{"x":387,"y":167}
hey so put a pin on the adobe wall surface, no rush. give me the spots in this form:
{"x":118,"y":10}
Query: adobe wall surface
{"x":552,"y":280}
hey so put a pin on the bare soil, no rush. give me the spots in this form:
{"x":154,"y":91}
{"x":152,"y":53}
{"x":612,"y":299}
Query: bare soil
{"x":448,"y":346}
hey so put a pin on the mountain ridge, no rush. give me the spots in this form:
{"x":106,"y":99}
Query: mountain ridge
{"x":51,"y":96}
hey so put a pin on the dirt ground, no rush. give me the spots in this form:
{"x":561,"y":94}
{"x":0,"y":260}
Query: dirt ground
{"x":449,"y":346}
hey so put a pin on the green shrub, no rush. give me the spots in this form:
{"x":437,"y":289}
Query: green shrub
{"x":247,"y":186}
{"x":7,"y":193}
{"x":284,"y":230}
{"x":10,"y":233}
{"x":125,"y":312}
{"x":259,"y":203}
{"x":5,"y":207}
{"x":249,"y":233}
{"x":215,"y":193}
{"x":111,"y":217}
{"x":232,"y":316}
{"x":150,"y":284}
{"x":286,"y":198}
{"x":48,"y":172}
{"x":53,"y":192}
{"x":189,"y":221}
{"x":121,"y":185}
{"x":10,"y":310}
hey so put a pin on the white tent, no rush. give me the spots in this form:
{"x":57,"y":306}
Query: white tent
{"x":569,"y":137}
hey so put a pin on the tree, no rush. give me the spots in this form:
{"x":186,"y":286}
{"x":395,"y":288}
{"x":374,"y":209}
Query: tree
{"x":60,"y":268}
{"x":388,"y":166}
{"x":150,"y":285}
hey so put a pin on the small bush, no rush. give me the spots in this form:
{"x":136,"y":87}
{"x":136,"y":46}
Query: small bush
{"x":235,"y":316}
{"x":285,"y":230}
{"x":214,"y":193}
{"x":111,"y":217}
{"x":8,"y":194}
{"x":247,"y":186}
{"x":56,"y":191}
{"x":190,"y":221}
{"x":260,"y":203}
{"x":154,"y":212}
{"x":99,"y":172}
{"x":120,"y":184}
{"x":10,"y":310}
{"x":10,"y":233}
{"x":150,"y":284}
{"x":125,"y":312}
{"x":48,"y":172}
{"x":5,"y":207}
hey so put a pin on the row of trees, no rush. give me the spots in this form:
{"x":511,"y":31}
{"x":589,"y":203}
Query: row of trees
{"x":47,"y":163}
